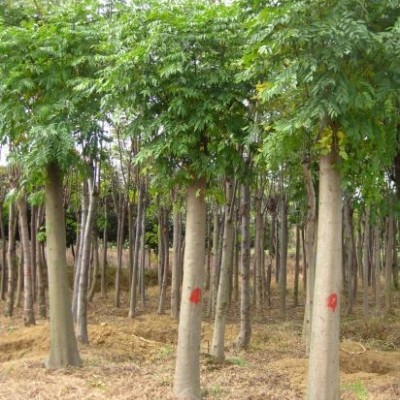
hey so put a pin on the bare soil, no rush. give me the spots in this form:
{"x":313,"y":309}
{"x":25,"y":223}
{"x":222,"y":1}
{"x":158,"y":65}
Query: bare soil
{"x":134,"y":358}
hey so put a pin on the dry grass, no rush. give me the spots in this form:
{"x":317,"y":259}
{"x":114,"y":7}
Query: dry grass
{"x":134,"y":358}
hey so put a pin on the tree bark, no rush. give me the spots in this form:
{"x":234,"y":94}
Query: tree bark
{"x":176,"y":273}
{"x":366,"y":263}
{"x":11,"y":260}
{"x":187,"y":372}
{"x":81,"y":329}
{"x":165,"y":244}
{"x":310,"y":244}
{"x":297,"y":268}
{"x":3,"y":255}
{"x":63,"y":345}
{"x":215,"y":264}
{"x":323,"y":371}
{"x":283,"y":258}
{"x":389,"y":261}
{"x":243,"y":338}
{"x":103,"y":279}
{"x":218,"y":341}
{"x":29,"y":316}
{"x":377,"y":268}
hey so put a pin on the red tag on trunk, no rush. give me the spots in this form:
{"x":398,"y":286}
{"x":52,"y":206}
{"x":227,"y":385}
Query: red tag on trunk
{"x":195,"y":296}
{"x":332,"y":302}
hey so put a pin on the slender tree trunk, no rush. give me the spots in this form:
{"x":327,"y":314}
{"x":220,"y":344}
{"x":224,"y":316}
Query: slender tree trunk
{"x":29,"y":316}
{"x":103,"y":281}
{"x":120,"y":243}
{"x":138,"y":235}
{"x":11,"y":259}
{"x":4,"y":256}
{"x":389,"y":261}
{"x":81,"y":329}
{"x":218,"y":341}
{"x":349,"y":253}
{"x":377,"y":268}
{"x":79,"y":248}
{"x":41,"y":267}
{"x":63,"y":345}
{"x":142,"y":260}
{"x":165,"y":244}
{"x":323,"y":372}
{"x":33,"y":249}
{"x":187,"y":372}
{"x":366,"y":263}
{"x":310,"y":244}
{"x":20,"y":279}
{"x":96,"y":265}
{"x":215,"y":264}
{"x":176,"y":273}
{"x":243,"y":338}
{"x":297,"y":268}
{"x":283,"y":258}
{"x":258,"y":287}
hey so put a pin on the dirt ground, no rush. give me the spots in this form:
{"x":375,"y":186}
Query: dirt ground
{"x":134,"y":358}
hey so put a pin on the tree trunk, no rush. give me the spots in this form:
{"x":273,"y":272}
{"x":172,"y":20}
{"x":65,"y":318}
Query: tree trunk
{"x":11,"y":260}
{"x":243,"y":338}
{"x":377,"y":268}
{"x":215,"y":264}
{"x":96,"y":265}
{"x":310,"y":244}
{"x":283,"y":258}
{"x":187,"y":372}
{"x":103,"y":279}
{"x":138,"y":235}
{"x":349,"y":260}
{"x":389,"y":261}
{"x":165,"y":244}
{"x":20,"y":280}
{"x":258,"y":287}
{"x":176,"y":273}
{"x":41,"y":267}
{"x":63,"y":345}
{"x":3,"y":256}
{"x":81,"y":329}
{"x":29,"y":316}
{"x":366,"y":263}
{"x":323,"y":372}
{"x":33,"y":249}
{"x":218,"y":341}
{"x":120,"y":243}
{"x":79,"y":248}
{"x":297,"y":268}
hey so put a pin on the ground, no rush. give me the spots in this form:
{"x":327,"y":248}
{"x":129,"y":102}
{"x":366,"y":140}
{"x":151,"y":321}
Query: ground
{"x":134,"y":358}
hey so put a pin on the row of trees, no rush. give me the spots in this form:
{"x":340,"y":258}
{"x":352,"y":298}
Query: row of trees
{"x":237,"y":111}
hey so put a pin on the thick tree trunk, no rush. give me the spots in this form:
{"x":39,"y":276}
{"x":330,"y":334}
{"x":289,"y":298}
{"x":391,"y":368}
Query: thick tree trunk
{"x":176,"y":273}
{"x":310,"y":244}
{"x":63,"y":345}
{"x":29,"y":316}
{"x":323,"y":372}
{"x":243,"y":338}
{"x":11,"y":260}
{"x":218,"y":341}
{"x":187,"y":372}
